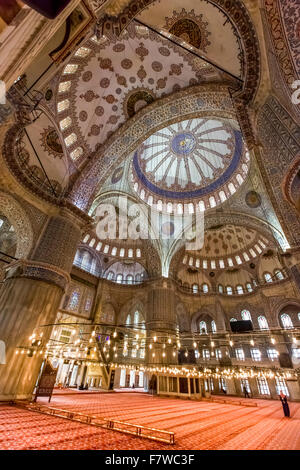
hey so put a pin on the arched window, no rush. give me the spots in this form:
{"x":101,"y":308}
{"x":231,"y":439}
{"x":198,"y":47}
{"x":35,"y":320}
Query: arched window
{"x":195,"y":288}
{"x":240,"y":290}
{"x":77,"y":258}
{"x":74,"y":300}
{"x":138,"y":278}
{"x":231,"y":188}
{"x":129,"y":279}
{"x":212,"y":201}
{"x":222,"y":196}
{"x":179,"y":209}
{"x":286,"y":321}
{"x":201,"y":206}
{"x":281,"y":386}
{"x":246,"y":315}
{"x":85,"y":263}
{"x":299,"y":316}
{"x":268,"y":277}
{"x":249,"y":287}
{"x":128,"y":319}
{"x":191,"y":208}
{"x":203,"y":328}
{"x":205,"y":288}
{"x":119,"y":278}
{"x":263,"y":323}
{"x":213,"y":326}
{"x":169,"y":207}
{"x":136,"y":318}
{"x":229,"y":290}
{"x":93,"y":267}
{"x":278,"y":274}
{"x":92,"y":243}
{"x":220,"y":288}
{"x":258,"y":249}
{"x":239,"y":179}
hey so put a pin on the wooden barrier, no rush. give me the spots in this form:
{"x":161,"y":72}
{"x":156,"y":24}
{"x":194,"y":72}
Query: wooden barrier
{"x":106,"y":423}
{"x":141,"y":431}
{"x":250,"y":404}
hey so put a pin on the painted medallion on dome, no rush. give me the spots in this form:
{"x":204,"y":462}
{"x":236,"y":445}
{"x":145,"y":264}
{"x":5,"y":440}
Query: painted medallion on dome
{"x":189,"y":159}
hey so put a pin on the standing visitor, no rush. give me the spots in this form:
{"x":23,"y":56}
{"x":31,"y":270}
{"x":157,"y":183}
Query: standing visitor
{"x":246,"y":393}
{"x":285,"y":405}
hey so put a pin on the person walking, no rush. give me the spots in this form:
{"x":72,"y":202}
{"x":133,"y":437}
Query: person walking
{"x":246,"y":393}
{"x":285,"y":405}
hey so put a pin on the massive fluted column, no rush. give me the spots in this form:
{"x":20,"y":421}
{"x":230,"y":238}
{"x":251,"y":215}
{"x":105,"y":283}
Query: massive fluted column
{"x":161,"y":321}
{"x":30,"y":297}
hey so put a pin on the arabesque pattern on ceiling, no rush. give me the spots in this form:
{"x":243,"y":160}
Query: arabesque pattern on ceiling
{"x":109,"y":80}
{"x":241,"y":55}
{"x":19,"y":219}
{"x":280,"y":137}
{"x":284,"y":24}
{"x":190,"y":27}
{"x":191,"y":159}
{"x":291,"y":19}
{"x":260,"y":229}
{"x":232,"y":244}
{"x":26,"y":146}
{"x":228,"y":246}
{"x":234,"y":10}
{"x":197,"y":101}
{"x":88,"y":117}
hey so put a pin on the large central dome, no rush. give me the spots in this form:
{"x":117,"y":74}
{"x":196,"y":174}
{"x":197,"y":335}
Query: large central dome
{"x":191,"y":159}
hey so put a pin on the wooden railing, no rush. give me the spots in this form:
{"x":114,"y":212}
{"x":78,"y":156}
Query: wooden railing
{"x":106,"y":423}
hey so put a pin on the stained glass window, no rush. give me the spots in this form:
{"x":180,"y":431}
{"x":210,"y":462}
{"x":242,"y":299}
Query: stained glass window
{"x":74,"y":300}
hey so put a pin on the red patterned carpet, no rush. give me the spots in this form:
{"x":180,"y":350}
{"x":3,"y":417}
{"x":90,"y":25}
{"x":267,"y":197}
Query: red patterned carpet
{"x":197,"y":425}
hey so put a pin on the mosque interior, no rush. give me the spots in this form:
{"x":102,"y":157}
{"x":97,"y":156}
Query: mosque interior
{"x":150,"y":198}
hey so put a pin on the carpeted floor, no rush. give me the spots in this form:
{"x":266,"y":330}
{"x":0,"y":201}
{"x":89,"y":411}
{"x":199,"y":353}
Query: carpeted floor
{"x":197,"y":425}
